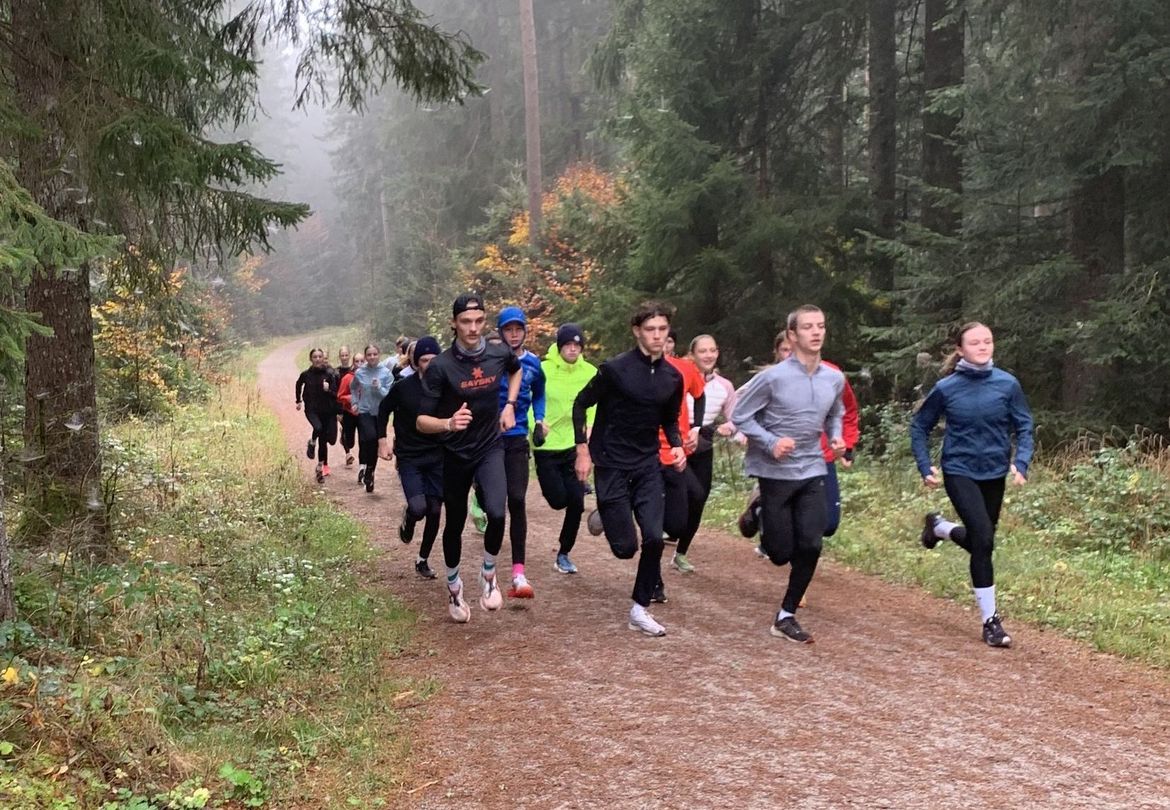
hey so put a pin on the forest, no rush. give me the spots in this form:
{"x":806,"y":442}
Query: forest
{"x":183,"y":183}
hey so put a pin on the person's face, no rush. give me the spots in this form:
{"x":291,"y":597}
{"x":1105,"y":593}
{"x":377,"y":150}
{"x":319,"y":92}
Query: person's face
{"x":978,"y":345}
{"x":809,"y":334}
{"x":343,"y":357}
{"x":469,"y":326}
{"x":783,"y":350}
{"x":317,"y":359}
{"x":513,"y":334}
{"x":372,"y":356}
{"x":570,"y":352}
{"x":423,"y":362}
{"x":706,"y":354}
{"x":668,"y":345}
{"x":651,"y":335}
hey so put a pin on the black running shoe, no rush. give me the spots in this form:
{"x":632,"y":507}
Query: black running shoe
{"x":749,"y":521}
{"x":789,"y":628}
{"x":423,"y":570}
{"x":994,"y":634}
{"x":929,"y":540}
{"x":369,"y":482}
{"x":320,"y":474}
{"x":406,"y":529}
{"x":310,"y":449}
{"x":362,"y":474}
{"x":659,"y":594}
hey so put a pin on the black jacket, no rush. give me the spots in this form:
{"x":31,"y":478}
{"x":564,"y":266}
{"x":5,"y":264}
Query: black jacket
{"x":319,"y":387}
{"x":634,"y":397}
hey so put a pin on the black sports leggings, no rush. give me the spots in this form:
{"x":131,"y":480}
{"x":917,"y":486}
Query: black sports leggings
{"x":458,"y":475}
{"x":563,"y":490}
{"x":348,"y":429}
{"x":978,"y":504}
{"x":324,"y":432}
{"x":626,"y":496}
{"x":367,"y":426}
{"x":516,"y":473}
{"x":685,"y":498}
{"x":792,"y":520}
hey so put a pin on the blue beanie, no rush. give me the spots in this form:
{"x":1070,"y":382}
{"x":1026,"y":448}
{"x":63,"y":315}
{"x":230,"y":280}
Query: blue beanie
{"x":511,"y":315}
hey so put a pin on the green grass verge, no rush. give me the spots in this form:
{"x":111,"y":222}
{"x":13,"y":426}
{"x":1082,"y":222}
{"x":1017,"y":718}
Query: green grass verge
{"x":1081,"y":549}
{"x":229,"y":653}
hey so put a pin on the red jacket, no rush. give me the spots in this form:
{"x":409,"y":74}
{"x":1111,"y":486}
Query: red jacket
{"x":346,"y":399}
{"x":850,"y":427}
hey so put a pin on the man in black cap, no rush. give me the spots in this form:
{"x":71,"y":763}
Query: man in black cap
{"x":419,"y":455}
{"x":636,"y":393}
{"x":461,"y":400}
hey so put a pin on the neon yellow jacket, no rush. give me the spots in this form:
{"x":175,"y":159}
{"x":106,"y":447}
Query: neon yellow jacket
{"x":563,"y":381}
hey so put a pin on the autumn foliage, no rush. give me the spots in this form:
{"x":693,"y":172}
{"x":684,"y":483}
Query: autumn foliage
{"x":551,"y":283}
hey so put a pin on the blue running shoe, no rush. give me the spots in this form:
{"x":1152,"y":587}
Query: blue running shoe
{"x":564,"y":565}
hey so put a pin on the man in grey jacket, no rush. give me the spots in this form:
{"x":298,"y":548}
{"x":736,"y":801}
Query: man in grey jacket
{"x":783,"y":412}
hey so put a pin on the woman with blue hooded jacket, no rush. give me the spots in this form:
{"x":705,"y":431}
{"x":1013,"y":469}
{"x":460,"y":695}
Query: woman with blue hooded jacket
{"x":985,"y":409}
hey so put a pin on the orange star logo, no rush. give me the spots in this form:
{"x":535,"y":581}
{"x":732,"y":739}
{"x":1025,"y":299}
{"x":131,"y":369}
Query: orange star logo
{"x":477,"y":372}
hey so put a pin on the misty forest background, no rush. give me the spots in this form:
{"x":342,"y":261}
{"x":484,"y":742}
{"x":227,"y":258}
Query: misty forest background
{"x":181,"y":181}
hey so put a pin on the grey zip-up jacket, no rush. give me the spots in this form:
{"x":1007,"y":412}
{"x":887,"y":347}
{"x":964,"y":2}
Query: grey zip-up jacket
{"x":784,"y":400}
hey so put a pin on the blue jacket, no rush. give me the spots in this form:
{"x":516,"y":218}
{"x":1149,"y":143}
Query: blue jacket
{"x":368,"y":387}
{"x":983,"y":410}
{"x":531,"y":394}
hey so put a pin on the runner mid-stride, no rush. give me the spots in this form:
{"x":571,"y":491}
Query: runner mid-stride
{"x":783,"y":411}
{"x":317,"y":387}
{"x":461,"y":399}
{"x":636,"y":393}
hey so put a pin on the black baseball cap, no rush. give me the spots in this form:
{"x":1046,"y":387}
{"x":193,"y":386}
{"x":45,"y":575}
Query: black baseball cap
{"x":465,"y":302}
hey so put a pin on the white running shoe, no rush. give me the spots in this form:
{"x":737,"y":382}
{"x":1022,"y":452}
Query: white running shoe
{"x":643,"y":622}
{"x":458,"y":609}
{"x":490,"y":597}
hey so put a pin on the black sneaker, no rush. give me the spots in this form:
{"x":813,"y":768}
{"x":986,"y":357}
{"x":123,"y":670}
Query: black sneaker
{"x":406,"y":530}
{"x":789,"y":628}
{"x":362,"y":474}
{"x":994,"y":634}
{"x":929,"y":540}
{"x":320,"y":474}
{"x":369,"y":482}
{"x":749,"y":521}
{"x":310,"y":449}
{"x":659,"y":594}
{"x":423,"y":570}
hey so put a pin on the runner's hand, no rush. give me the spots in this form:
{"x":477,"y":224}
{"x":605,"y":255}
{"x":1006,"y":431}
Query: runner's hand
{"x":1017,"y":477}
{"x":584,"y":464}
{"x":461,"y":418}
{"x":678,"y":458}
{"x":507,"y":418}
{"x":298,"y":406}
{"x":783,"y":447}
{"x":931,"y":481}
{"x":838,"y":447}
{"x":691,"y":442}
{"x":543,"y":428}
{"x":385,"y":448}
{"x":726,"y":429}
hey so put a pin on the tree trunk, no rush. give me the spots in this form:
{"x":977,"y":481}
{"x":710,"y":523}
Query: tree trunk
{"x":1097,"y":241}
{"x":942,"y":165}
{"x":835,"y":121}
{"x":883,"y":85}
{"x":60,"y":421}
{"x":496,"y":75}
{"x":531,"y":120}
{"x":7,"y":606}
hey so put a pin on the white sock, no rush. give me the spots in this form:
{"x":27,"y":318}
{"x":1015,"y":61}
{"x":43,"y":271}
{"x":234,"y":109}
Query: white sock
{"x":489,"y":563}
{"x":943,"y":528}
{"x":783,"y":614}
{"x":453,"y":578}
{"x":636,"y":609}
{"x":986,"y":599}
{"x":420,"y":559}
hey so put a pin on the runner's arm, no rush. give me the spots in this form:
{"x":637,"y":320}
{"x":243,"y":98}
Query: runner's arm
{"x":921,"y":427}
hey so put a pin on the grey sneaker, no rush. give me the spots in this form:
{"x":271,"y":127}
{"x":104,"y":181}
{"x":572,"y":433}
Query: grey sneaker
{"x":789,"y":629}
{"x":994,"y":634}
{"x":681,"y":562}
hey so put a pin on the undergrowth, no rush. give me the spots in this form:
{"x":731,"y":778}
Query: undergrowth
{"x":227,"y":653}
{"x":1083,"y":548}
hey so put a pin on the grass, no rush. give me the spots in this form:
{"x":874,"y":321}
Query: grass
{"x":1084,"y":548}
{"x":230,"y":653}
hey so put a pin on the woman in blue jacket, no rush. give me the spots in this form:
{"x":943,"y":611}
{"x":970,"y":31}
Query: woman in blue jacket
{"x":984,"y":408}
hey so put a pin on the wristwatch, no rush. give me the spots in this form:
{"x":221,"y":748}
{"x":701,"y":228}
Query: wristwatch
{"x":512,"y":402}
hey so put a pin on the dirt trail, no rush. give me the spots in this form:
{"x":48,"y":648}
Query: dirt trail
{"x":898,"y":704}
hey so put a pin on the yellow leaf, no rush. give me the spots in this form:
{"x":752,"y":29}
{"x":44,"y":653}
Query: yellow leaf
{"x":11,"y":677}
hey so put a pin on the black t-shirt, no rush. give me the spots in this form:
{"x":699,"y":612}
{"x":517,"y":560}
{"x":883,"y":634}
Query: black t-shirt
{"x":403,"y":401}
{"x":455,"y":377}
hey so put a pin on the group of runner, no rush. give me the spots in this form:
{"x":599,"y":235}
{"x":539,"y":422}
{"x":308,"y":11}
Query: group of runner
{"x":642,"y":427}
